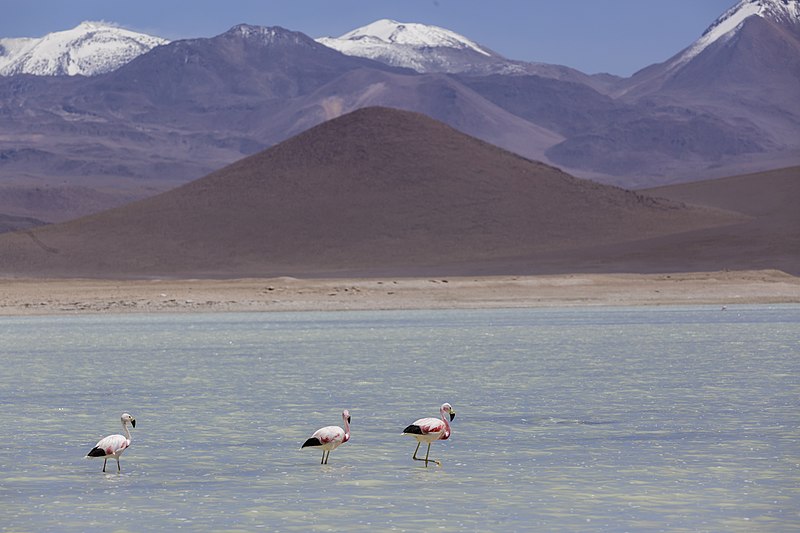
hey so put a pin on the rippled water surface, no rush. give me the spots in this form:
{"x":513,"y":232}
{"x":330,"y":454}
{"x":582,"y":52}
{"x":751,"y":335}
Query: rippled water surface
{"x":567,"y":419}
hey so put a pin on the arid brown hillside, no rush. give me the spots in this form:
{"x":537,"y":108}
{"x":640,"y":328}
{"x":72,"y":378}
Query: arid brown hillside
{"x":373,"y":192}
{"x":770,"y":238}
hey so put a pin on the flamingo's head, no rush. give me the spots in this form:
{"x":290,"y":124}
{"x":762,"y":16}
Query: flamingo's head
{"x":346,"y":415}
{"x":447,"y":408}
{"x":128,"y":418}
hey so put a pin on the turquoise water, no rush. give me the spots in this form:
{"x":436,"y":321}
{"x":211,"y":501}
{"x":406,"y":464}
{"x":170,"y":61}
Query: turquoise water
{"x":567,"y":419}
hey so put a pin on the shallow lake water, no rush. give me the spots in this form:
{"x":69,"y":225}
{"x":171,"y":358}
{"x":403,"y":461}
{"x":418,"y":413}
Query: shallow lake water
{"x":569,"y":419}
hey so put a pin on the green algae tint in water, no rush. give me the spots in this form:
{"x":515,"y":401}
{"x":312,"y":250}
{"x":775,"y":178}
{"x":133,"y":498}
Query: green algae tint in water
{"x":567,"y":419}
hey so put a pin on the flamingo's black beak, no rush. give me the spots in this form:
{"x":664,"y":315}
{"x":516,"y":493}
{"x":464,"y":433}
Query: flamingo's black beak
{"x":348,"y":420}
{"x":133,"y":422}
{"x":452,"y":415}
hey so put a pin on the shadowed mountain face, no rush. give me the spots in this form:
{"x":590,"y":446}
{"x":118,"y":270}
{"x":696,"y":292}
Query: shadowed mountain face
{"x":627,"y":143}
{"x":245,"y":63}
{"x":375,"y":191}
{"x":760,"y":60}
{"x":437,"y":96}
{"x":9,"y":223}
{"x":750,"y":78}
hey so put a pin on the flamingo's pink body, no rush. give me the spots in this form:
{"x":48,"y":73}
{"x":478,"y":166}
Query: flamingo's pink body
{"x":113,"y":445}
{"x":431,"y":429}
{"x":330,"y":437}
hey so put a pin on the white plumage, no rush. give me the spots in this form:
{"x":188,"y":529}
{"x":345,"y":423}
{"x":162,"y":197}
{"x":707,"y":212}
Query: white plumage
{"x":113,"y":445}
{"x":431,"y":429}
{"x":330,"y":437}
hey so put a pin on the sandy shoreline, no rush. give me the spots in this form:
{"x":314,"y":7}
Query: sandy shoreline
{"x":76,"y":296}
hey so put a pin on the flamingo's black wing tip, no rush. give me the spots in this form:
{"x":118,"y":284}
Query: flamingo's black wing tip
{"x":96,"y":452}
{"x":313,"y":441}
{"x":413,"y":429}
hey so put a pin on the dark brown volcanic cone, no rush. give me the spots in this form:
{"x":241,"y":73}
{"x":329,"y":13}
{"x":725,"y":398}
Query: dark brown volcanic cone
{"x":373,"y":192}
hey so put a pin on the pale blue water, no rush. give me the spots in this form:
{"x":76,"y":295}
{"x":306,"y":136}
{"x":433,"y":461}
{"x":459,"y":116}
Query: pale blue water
{"x":621,"y":419}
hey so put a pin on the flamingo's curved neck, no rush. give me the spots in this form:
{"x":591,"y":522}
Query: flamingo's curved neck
{"x":446,"y":420}
{"x":125,"y":429}
{"x":346,"y":430}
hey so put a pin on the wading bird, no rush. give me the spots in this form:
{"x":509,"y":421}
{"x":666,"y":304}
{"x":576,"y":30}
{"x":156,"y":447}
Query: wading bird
{"x":114,"y":445}
{"x":429,"y":430}
{"x":330,"y":437}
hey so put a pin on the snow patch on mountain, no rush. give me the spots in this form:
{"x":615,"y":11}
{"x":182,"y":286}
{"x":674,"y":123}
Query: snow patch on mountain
{"x":405,"y":44}
{"x":267,"y":34}
{"x":730,"y":21}
{"x":409,"y":33}
{"x":89,"y":49}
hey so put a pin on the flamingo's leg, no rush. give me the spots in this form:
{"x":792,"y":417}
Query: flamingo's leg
{"x":431,"y":460}
{"x":426,"y":460}
{"x":415,"y":452}
{"x":104,"y":464}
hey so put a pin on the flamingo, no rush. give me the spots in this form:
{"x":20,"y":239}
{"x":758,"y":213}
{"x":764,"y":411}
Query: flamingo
{"x":431,"y":429}
{"x":114,"y":445}
{"x":330,"y":437}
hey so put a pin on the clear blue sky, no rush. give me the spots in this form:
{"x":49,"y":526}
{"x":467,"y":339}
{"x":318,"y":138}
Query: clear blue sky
{"x":616,"y":36}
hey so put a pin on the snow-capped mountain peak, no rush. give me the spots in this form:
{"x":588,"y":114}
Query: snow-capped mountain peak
{"x":413,"y":34}
{"x":787,"y":11}
{"x":421,"y":47}
{"x":88,"y":49}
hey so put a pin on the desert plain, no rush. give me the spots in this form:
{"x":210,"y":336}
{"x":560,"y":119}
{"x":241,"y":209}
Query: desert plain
{"x":19,"y":296}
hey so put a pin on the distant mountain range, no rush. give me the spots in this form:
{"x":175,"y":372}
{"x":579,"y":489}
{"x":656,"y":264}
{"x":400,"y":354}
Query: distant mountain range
{"x":71,"y":145}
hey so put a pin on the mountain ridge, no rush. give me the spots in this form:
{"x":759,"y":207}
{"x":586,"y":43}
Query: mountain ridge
{"x":431,"y":49}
